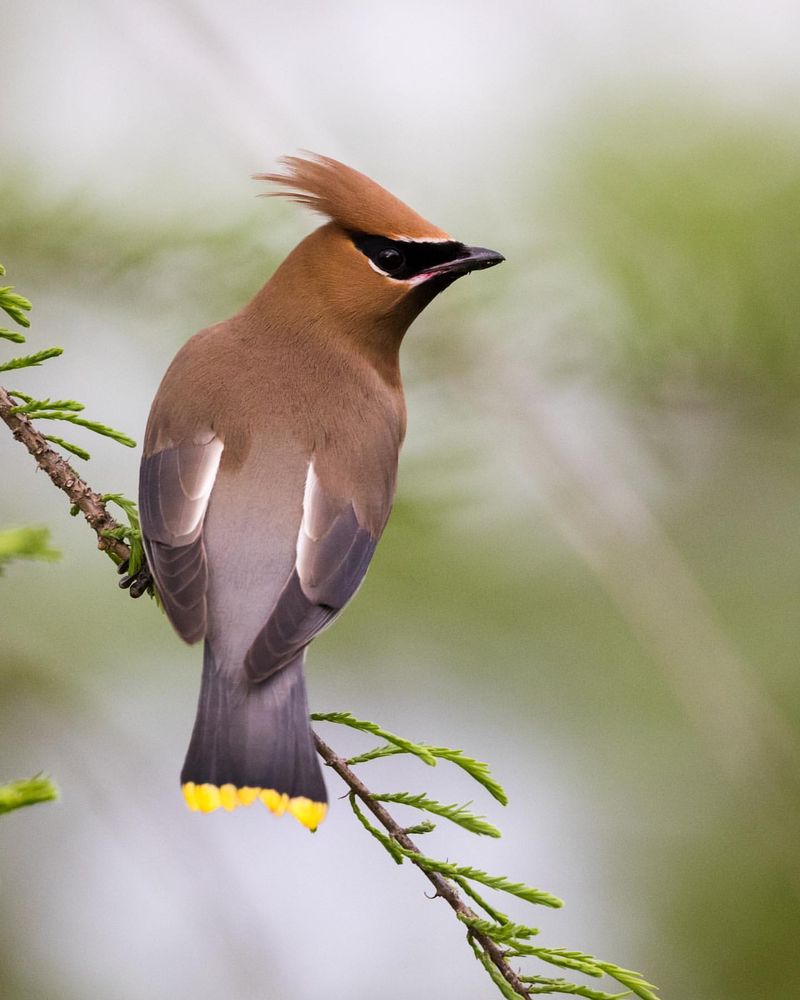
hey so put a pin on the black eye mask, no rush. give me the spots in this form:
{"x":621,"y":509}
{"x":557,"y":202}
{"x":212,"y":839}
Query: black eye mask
{"x":402,"y":259}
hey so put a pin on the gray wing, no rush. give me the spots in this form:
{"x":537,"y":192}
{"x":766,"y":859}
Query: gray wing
{"x":333,"y":553}
{"x":174,"y":488}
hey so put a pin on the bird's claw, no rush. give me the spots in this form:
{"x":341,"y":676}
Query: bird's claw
{"x":137,"y":583}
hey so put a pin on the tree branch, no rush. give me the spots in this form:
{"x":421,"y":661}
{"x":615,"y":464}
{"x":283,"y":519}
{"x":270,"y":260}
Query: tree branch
{"x":443,"y":886}
{"x":64,"y":477}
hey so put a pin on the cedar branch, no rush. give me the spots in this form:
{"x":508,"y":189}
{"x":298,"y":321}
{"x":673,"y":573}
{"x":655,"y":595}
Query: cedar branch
{"x":64,"y":477}
{"x":443,"y":886}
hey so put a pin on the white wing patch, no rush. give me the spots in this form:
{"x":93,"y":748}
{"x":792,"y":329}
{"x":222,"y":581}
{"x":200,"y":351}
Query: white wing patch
{"x":311,"y":526}
{"x":196,"y":468}
{"x":204,"y":480}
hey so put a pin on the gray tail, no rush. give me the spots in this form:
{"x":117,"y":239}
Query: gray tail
{"x":253,"y":736}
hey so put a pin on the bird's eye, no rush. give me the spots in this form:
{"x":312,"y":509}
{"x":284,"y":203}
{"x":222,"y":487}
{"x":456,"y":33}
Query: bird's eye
{"x":390,"y":260}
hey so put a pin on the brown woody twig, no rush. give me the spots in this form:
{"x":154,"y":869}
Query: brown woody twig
{"x":64,"y":477}
{"x":443,"y":886}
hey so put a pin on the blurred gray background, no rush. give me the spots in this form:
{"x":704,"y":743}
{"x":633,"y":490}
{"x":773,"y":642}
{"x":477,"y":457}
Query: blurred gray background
{"x":591,"y":575}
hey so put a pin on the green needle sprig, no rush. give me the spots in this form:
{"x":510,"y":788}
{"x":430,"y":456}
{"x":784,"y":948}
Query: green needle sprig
{"x":68,"y":411}
{"x":495,"y":939}
{"x":27,"y":792}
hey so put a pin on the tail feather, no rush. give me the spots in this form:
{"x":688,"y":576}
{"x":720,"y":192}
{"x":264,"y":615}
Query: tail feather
{"x":254,"y":740}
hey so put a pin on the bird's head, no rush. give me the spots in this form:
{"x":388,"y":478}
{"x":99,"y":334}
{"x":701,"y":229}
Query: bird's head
{"x":376,"y":264}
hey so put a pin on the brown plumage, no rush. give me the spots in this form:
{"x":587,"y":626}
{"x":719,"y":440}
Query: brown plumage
{"x":350,"y":199}
{"x":269,"y":470}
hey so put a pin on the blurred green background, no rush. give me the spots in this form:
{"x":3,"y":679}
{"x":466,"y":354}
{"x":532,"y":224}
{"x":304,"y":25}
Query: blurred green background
{"x":591,"y":575}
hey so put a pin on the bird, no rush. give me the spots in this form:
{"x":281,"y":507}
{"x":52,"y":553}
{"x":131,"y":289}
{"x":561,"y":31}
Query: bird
{"x":269,"y":470}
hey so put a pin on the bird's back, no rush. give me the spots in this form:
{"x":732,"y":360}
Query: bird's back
{"x":288,"y":399}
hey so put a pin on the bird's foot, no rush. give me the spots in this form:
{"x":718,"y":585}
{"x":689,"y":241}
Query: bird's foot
{"x":136,"y":583}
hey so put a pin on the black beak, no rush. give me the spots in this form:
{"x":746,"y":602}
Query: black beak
{"x":472,"y":259}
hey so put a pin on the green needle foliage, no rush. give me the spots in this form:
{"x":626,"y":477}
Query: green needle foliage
{"x":402,"y":745}
{"x":505,"y":932}
{"x":32,"y":405}
{"x":26,"y":792}
{"x":492,"y":970}
{"x":26,"y":543}
{"x":457,"y":814}
{"x":475,"y":768}
{"x":46,"y":409}
{"x":62,"y":409}
{"x":16,"y":306}
{"x":130,"y":533}
{"x":31,"y":360}
{"x":543,"y":985}
{"x":67,"y":410}
{"x":12,"y":335}
{"x":511,"y":936}
{"x":92,"y":425}
{"x":74,"y":449}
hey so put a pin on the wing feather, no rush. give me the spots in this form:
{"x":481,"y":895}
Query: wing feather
{"x":333,"y":553}
{"x":174,"y":489}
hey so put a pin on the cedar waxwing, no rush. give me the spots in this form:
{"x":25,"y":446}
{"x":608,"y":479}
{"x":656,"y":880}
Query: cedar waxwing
{"x":269,"y":470}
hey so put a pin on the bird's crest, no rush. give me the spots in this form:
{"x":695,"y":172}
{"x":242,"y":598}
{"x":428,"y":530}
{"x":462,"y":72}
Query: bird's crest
{"x":350,"y":199}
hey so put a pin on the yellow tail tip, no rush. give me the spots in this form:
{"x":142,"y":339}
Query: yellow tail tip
{"x":308,"y":812}
{"x":207,"y":798}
